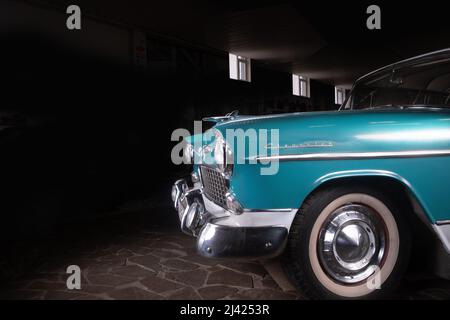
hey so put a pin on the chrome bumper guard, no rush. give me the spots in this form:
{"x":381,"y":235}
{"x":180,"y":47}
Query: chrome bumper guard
{"x":222,"y":241}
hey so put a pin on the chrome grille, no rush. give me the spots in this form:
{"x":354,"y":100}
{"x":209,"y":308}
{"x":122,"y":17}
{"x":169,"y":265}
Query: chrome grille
{"x":215,"y":185}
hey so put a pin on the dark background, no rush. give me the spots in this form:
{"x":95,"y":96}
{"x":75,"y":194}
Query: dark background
{"x":84,"y":130}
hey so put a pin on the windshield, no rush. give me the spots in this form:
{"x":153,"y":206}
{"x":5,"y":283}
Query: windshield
{"x":424,"y":84}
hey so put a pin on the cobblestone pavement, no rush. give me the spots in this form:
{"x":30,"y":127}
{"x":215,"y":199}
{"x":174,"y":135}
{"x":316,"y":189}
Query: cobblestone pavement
{"x":138,"y":260}
{"x":150,"y":265}
{"x":131,"y":257}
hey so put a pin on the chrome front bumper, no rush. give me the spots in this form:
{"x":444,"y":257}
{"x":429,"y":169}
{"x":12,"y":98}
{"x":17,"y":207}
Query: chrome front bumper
{"x":218,"y":235}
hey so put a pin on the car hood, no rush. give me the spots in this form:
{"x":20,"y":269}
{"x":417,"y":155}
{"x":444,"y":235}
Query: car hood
{"x":342,"y":131}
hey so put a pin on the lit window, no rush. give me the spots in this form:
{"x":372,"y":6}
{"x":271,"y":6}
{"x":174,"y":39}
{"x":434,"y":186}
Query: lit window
{"x":240,"y":67}
{"x":300,"y":86}
{"x":339,"y":95}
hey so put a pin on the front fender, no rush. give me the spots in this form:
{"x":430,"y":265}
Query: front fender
{"x":337,"y":176}
{"x":425,"y":178}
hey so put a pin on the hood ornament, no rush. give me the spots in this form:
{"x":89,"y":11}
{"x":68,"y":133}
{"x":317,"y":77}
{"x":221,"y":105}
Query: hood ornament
{"x":229,"y":116}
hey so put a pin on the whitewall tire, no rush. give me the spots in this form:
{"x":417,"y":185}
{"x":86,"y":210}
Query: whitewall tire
{"x":347,"y":243}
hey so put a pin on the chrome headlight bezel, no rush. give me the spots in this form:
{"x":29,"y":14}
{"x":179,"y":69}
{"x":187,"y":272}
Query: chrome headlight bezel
{"x":223,"y":154}
{"x":188,"y":153}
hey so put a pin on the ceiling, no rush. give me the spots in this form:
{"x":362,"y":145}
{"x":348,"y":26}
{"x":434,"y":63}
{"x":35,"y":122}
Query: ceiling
{"x":326,"y":41}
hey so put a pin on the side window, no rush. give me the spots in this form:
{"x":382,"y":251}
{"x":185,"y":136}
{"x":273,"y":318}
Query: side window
{"x":240,"y":67}
{"x":300,"y":86}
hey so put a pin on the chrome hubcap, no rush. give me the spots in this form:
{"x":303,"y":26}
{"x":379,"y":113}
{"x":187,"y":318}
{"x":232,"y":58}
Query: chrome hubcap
{"x":352,"y":243}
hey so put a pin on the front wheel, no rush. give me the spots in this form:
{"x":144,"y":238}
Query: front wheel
{"x":347,"y":242}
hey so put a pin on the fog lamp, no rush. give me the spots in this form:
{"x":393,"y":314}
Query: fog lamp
{"x":195,"y":178}
{"x":193,"y":215}
{"x":233,"y":204}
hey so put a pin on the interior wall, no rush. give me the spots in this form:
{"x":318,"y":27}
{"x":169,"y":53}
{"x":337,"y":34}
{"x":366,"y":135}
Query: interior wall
{"x":99,"y":39}
{"x":93,"y":131}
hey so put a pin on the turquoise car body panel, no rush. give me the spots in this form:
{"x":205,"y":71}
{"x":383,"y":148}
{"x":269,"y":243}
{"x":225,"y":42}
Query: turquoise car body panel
{"x":427,"y":177}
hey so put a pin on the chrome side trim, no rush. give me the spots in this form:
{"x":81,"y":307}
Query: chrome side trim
{"x":269,"y":210}
{"x":443,"y":232}
{"x":259,"y":219}
{"x":355,"y":155}
{"x":442,"y":222}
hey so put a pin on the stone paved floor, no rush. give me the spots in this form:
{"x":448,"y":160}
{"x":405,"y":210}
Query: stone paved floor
{"x":130,"y":257}
{"x":149,"y":265}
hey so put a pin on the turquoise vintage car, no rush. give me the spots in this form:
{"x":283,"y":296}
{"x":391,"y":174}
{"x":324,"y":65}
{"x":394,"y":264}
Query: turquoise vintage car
{"x":341,"y":197}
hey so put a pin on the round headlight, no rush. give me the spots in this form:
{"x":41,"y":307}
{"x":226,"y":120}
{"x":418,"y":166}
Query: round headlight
{"x":219,"y":154}
{"x":233,"y":204}
{"x":188,"y":154}
{"x":228,"y":165}
{"x":223,"y":155}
